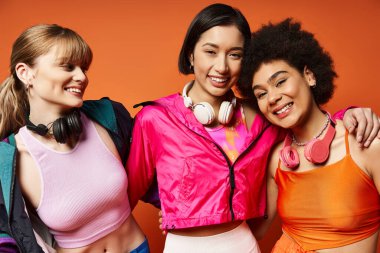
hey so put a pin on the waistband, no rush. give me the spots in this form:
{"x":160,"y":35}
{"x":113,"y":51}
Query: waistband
{"x":142,"y":248}
{"x":239,"y":239}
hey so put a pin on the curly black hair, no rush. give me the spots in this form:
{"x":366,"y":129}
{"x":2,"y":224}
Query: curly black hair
{"x":286,"y":41}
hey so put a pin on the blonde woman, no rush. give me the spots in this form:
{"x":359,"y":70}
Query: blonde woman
{"x":63,"y":157}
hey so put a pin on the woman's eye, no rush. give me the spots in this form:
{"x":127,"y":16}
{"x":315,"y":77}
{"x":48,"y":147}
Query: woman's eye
{"x":280,"y":82}
{"x":68,"y":67}
{"x":260,"y":95}
{"x":210,"y":52}
{"x":236,"y":56}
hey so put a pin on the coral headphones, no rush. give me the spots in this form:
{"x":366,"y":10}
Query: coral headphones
{"x":204,"y":112}
{"x":316,"y":151}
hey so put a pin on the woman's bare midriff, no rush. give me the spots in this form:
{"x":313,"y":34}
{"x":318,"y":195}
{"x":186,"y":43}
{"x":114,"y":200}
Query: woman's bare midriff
{"x":368,"y":245}
{"x":124,"y":239}
{"x":206,"y":230}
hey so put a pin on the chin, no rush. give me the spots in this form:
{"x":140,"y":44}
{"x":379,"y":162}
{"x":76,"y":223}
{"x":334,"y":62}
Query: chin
{"x":219,"y":92}
{"x":280,"y":123}
{"x":79,"y":104}
{"x":76,"y":104}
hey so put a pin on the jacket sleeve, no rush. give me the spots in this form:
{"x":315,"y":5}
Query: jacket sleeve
{"x":340,"y":114}
{"x":140,"y":164}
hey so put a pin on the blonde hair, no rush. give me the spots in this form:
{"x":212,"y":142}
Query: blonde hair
{"x":32,"y":43}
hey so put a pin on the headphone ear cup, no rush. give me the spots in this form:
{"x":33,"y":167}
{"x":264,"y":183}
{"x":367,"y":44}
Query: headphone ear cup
{"x":74,"y":123}
{"x":289,"y":156}
{"x":60,"y":130}
{"x":225,"y":112}
{"x":204,"y":113}
{"x":317,"y":151}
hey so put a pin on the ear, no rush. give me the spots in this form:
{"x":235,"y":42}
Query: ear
{"x":310,"y":77}
{"x":24,"y":73}
{"x":191,"y":59}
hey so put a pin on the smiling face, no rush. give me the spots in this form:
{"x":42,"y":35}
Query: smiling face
{"x":283,"y":93}
{"x":216,"y":60}
{"x":56,"y":82}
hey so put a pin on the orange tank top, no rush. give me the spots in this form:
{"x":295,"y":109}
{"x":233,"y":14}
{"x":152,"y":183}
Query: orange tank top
{"x":329,"y":206}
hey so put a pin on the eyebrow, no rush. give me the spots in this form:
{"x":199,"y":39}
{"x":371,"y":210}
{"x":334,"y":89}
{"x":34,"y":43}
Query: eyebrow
{"x":216,"y":46}
{"x":270,"y":79}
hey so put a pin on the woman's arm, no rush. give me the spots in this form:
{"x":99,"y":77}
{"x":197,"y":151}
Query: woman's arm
{"x":372,"y":163}
{"x":140,"y":166}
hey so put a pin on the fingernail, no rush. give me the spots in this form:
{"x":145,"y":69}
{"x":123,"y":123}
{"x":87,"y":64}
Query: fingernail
{"x":367,"y":143}
{"x":359,"y":138}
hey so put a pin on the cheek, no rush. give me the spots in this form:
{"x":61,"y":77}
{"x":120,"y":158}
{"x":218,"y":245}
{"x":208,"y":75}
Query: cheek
{"x":200,"y":60}
{"x":262,"y":106}
{"x":46,"y":78}
{"x":200,"y":65}
{"x":235,"y":68}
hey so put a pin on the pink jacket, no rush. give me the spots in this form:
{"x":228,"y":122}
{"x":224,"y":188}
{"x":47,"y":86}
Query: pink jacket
{"x":197,"y":183}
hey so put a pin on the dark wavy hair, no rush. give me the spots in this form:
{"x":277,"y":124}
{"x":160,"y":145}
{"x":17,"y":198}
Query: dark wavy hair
{"x":213,"y":15}
{"x":287,"y":41}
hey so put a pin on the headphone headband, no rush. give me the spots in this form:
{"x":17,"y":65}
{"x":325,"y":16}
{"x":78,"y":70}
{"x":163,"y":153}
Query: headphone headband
{"x":63,"y":128}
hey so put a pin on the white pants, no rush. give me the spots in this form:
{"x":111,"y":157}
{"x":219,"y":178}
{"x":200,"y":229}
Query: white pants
{"x":237,"y":240}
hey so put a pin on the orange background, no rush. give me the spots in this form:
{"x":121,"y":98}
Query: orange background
{"x":136,"y":45}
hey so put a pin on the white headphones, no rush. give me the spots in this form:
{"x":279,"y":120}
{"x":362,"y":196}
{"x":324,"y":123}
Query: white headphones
{"x":204,"y":112}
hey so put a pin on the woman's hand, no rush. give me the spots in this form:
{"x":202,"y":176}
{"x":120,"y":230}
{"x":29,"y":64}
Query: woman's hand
{"x":164,"y":231}
{"x":365,"y":122}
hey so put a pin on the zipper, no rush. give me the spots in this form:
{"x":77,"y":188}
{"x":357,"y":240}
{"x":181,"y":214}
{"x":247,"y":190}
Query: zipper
{"x":231,"y":177}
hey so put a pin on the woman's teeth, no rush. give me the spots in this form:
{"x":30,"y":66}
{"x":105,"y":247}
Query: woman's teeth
{"x":284,"y":109}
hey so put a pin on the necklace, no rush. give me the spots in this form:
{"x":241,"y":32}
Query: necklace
{"x":301,"y":144}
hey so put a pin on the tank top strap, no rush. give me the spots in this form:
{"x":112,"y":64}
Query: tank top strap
{"x":347,"y":143}
{"x":279,"y":163}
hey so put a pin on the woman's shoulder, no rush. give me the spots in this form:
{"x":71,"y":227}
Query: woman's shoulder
{"x":274,"y":158}
{"x":152,"y":110}
{"x":365,"y":158}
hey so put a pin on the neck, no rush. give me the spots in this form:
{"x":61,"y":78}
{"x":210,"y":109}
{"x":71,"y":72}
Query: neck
{"x":313,"y":126}
{"x":197,"y":95}
{"x":45,"y":114}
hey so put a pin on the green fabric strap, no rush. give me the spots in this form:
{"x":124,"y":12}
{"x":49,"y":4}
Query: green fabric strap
{"x":6,"y":164}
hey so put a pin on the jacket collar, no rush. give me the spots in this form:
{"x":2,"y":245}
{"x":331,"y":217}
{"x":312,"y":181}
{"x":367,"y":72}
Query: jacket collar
{"x":102,"y":112}
{"x":175,"y":107}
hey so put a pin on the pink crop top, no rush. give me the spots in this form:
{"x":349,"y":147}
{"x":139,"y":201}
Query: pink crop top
{"x":84,"y":191}
{"x":231,"y":138}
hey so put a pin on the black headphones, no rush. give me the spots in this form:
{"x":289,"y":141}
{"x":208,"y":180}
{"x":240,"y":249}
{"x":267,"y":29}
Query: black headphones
{"x":63,"y":128}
